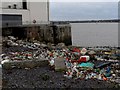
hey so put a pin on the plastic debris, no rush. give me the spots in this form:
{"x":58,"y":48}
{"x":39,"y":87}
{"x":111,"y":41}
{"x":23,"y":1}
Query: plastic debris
{"x":83,"y":51}
{"x":76,"y":62}
{"x":88,"y":65}
{"x":4,"y":61}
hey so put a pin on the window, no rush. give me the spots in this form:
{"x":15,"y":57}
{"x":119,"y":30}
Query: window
{"x":11,"y":20}
{"x":24,"y":4}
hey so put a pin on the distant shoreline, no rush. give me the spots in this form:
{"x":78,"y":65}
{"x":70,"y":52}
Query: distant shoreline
{"x":88,"y":21}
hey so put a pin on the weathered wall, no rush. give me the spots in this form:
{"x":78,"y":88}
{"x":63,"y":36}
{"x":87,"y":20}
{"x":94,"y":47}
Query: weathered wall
{"x":36,"y":10}
{"x":41,"y":33}
{"x":25,"y":14}
{"x":62,"y":33}
{"x":44,"y":33}
{"x":14,"y":31}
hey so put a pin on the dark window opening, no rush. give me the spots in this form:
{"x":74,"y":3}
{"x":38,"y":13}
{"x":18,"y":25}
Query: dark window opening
{"x":24,"y":5}
{"x":11,"y":20}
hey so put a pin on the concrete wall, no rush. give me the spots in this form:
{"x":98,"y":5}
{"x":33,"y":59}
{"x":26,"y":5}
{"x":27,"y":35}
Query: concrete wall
{"x":43,"y":32}
{"x":62,"y":33}
{"x":25,"y":14}
{"x":6,"y":4}
{"x":38,"y":11}
{"x":94,"y":34}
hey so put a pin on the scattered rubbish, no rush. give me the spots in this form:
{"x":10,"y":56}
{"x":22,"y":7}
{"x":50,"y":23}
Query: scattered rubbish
{"x":103,"y":65}
{"x":68,"y":74}
{"x":92,"y":52}
{"x":76,"y":62}
{"x":83,"y":51}
{"x":88,"y":65}
{"x":82,"y":59}
{"x":11,"y":38}
{"x":2,"y":62}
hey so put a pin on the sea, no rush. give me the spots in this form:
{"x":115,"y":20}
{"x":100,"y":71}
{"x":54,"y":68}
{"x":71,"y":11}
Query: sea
{"x":95,"y":34}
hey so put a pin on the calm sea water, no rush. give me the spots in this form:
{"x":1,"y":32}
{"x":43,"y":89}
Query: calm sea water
{"x":94,"y":34}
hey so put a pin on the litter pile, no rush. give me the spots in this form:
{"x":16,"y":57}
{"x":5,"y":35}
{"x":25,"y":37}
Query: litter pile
{"x":14,"y":49}
{"x":79,"y":63}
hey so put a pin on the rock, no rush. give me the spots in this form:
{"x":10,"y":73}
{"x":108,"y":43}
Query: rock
{"x":61,"y":45}
{"x":7,"y":65}
{"x":4,"y":61}
{"x":12,"y":38}
{"x":92,"y":52}
{"x":43,"y":45}
{"x":29,"y":64}
{"x":51,"y":82}
{"x":45,"y":77}
{"x":60,"y":64}
{"x":25,"y":64}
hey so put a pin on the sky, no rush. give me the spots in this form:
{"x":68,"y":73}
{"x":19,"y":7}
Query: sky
{"x":84,"y":0}
{"x":78,"y":10}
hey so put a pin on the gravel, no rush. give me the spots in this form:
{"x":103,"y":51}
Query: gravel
{"x":43,"y":77}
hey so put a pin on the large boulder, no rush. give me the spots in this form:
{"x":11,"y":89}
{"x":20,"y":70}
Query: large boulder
{"x":60,"y":64}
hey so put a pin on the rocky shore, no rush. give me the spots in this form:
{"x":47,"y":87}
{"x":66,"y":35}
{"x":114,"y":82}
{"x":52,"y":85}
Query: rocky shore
{"x":43,"y":77}
{"x":23,"y":66}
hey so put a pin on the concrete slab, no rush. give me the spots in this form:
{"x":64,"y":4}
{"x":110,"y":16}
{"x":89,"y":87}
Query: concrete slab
{"x":60,"y":64}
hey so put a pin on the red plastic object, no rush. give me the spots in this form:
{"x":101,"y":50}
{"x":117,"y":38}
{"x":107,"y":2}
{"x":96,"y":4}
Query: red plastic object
{"x":76,"y":50}
{"x":83,"y":59}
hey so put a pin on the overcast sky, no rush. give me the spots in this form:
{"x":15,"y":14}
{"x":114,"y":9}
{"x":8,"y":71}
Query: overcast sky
{"x":79,"y":10}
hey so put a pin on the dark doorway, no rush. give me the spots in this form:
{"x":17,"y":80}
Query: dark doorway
{"x":20,"y":32}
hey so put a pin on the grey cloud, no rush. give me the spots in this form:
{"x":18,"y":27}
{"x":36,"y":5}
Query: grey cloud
{"x":73,"y":11}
